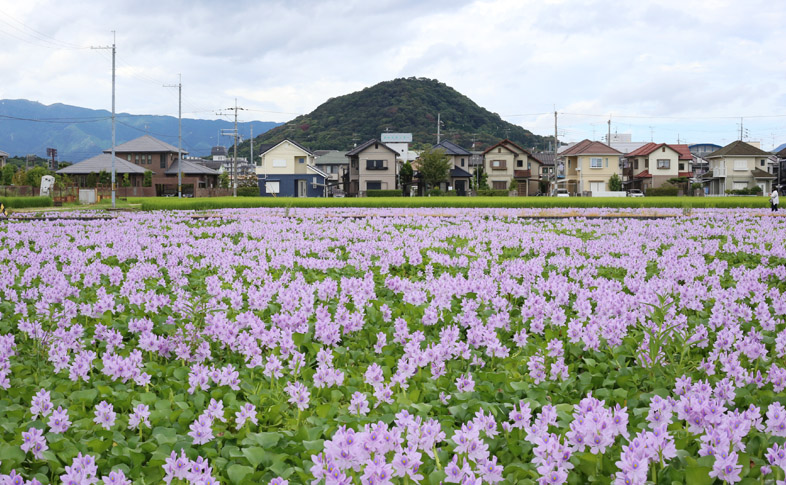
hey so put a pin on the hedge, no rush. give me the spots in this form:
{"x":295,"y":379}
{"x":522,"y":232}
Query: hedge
{"x":248,"y":191}
{"x":384,"y":193}
{"x":492,"y":193}
{"x":206,"y":203}
{"x":662,"y":192}
{"x":12,"y":203}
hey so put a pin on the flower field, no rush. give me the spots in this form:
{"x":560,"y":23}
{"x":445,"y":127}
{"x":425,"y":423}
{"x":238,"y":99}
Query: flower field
{"x":382,"y":346}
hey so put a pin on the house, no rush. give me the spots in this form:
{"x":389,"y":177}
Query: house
{"x":287,"y":169}
{"x":505,"y":162}
{"x":738,"y":166}
{"x":781,"y":171}
{"x":459,"y":178}
{"x":372,"y":166}
{"x":3,"y":158}
{"x":588,"y":166}
{"x":157,"y":156}
{"x":653,"y":164}
{"x":79,"y":172}
{"x":334,"y":164}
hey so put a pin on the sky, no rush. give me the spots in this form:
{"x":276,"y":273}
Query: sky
{"x":689,"y":71}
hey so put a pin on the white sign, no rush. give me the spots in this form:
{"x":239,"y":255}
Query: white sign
{"x":396,"y":137}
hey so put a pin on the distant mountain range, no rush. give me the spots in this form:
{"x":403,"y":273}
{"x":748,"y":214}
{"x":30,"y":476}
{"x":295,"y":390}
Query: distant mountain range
{"x":29,"y":127}
{"x":406,"y":105}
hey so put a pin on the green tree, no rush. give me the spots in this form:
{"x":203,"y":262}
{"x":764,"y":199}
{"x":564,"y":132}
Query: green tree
{"x":148,"y":180}
{"x":223,"y":180}
{"x":104,"y":177}
{"x":126,"y":180}
{"x":8,"y":174}
{"x":405,"y":176}
{"x":33,"y":176}
{"x":481,"y":178}
{"x":434,"y":166}
{"x":92,"y":179}
{"x":615,"y":183}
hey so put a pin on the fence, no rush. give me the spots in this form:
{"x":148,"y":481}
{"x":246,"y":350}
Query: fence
{"x":214,"y":192}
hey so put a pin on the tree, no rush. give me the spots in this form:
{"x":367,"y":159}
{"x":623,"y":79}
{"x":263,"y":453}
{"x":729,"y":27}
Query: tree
{"x":148,"y":180}
{"x":481,"y":178}
{"x":223,"y":180}
{"x":434,"y":166}
{"x":19,"y":177}
{"x":8,"y":174}
{"x":126,"y":180}
{"x":405,"y":176}
{"x":615,"y":183}
{"x":33,"y":176}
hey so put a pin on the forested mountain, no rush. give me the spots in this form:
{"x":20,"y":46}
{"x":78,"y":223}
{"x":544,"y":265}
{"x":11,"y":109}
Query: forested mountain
{"x":28,"y":127}
{"x":406,"y":105}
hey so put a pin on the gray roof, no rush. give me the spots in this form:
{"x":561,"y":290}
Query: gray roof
{"x":451,"y":148}
{"x":219,"y":150}
{"x":143,"y":144}
{"x":330,"y":157}
{"x":546,"y":158}
{"x":738,"y":148}
{"x":190,"y":168}
{"x":363,"y":146}
{"x":458,"y":172}
{"x":100,"y":163}
{"x":211,"y":164}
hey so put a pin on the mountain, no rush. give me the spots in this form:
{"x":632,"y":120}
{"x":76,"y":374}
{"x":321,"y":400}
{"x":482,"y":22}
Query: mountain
{"x":408,"y":105}
{"x":28,"y":127}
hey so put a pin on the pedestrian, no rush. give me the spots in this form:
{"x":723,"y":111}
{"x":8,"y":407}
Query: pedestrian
{"x":774,"y":200}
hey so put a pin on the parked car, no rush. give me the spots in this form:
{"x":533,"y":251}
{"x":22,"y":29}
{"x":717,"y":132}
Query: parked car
{"x":561,"y":193}
{"x":635,"y":193}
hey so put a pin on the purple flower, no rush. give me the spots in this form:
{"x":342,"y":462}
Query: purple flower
{"x":58,"y":421}
{"x":247,"y":413}
{"x":278,"y":481}
{"x":727,"y":469}
{"x":359,"y":404}
{"x":105,"y":415}
{"x":33,"y":440}
{"x":201,"y":429}
{"x":41,"y":404}
{"x":465,"y":383}
{"x":116,"y":477}
{"x":139,"y":417}
{"x":298,"y":395}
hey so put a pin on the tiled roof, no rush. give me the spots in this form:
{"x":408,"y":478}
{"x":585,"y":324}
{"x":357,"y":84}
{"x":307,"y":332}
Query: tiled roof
{"x":738,"y":148}
{"x":685,"y":174}
{"x":781,"y":154}
{"x":330,"y":157}
{"x":367,"y":144}
{"x":458,"y":172}
{"x":190,"y":168}
{"x":100,"y":163}
{"x":643,"y":175}
{"x":761,"y":174}
{"x":451,"y":148}
{"x":546,"y":158}
{"x":522,"y":174}
{"x":503,"y":144}
{"x":143,"y":144}
{"x":587,"y":147}
{"x":644,"y":150}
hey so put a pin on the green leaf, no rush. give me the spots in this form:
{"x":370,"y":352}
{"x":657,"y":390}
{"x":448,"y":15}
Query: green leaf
{"x":238,"y":472}
{"x":698,"y":475}
{"x":254,"y":455}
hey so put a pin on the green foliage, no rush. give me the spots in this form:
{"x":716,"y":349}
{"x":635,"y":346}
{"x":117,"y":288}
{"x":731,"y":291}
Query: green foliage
{"x":513,"y":185}
{"x":92,"y":179}
{"x":104,"y":178}
{"x":126,"y":180}
{"x":615,"y":183}
{"x":8,"y":174}
{"x":498,"y":199}
{"x":12,"y":203}
{"x":492,"y":193}
{"x":480,"y":178}
{"x":384,"y":193}
{"x":755,"y":190}
{"x":148,"y":180}
{"x":406,"y":173}
{"x":409,"y":105}
{"x":223,"y":180}
{"x":665,"y":191}
{"x":434,"y":166}
{"x":543,"y":186}
{"x":435,"y":192}
{"x":248,"y":191}
{"x":19,"y":177}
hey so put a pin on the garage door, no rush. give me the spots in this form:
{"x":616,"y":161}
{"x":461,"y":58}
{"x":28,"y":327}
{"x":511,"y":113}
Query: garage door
{"x":597,"y":186}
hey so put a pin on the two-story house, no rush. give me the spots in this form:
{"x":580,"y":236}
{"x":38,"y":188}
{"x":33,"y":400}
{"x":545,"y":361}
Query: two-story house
{"x":372,"y":166}
{"x":161,"y":158}
{"x":738,"y":166}
{"x":589,"y":165}
{"x":459,"y":177}
{"x":506,"y":161}
{"x":653,"y":164}
{"x":288,"y":169}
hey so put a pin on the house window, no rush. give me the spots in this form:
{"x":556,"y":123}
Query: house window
{"x":664,"y":163}
{"x":607,"y":163}
{"x":499,"y":185}
{"x":761,"y":163}
{"x":663,"y":149}
{"x":499,"y":150}
{"x":462,"y":162}
{"x":375,"y":165}
{"x":635,"y":164}
{"x":681,"y":167}
{"x":136,"y":158}
{"x":279,"y":163}
{"x":646,"y":163}
{"x":740,"y":165}
{"x":301,"y":160}
{"x":376,"y":146}
{"x":596,"y":163}
{"x":163,"y":160}
{"x":150,"y":159}
{"x":376,"y":185}
{"x":498,"y":165}
{"x":529,"y":165}
{"x":129,"y":157}
{"x":272,"y":187}
{"x":519,"y":163}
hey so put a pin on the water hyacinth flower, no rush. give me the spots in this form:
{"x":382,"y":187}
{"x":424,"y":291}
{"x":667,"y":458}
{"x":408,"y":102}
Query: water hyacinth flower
{"x":58,"y":421}
{"x":33,"y":440}
{"x":359,"y":404}
{"x":139,"y":417}
{"x":116,"y":477}
{"x":201,"y":429}
{"x":298,"y":395}
{"x":41,"y":404}
{"x":465,"y":383}
{"x":247,"y":413}
{"x":82,"y":470}
{"x":104,"y":415}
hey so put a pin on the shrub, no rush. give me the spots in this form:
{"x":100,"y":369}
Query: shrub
{"x":384,"y":193}
{"x":662,"y":192}
{"x":435,"y":192}
{"x":12,"y":203}
{"x":492,"y":193}
{"x":248,"y":191}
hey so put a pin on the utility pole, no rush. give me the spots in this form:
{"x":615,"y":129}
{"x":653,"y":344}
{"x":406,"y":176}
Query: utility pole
{"x":608,"y":138}
{"x":741,"y":124}
{"x":114,"y":39}
{"x":179,"y":87}
{"x":556,"y":144}
{"x":234,"y":161}
{"x":251,"y":143}
{"x":439,"y":122}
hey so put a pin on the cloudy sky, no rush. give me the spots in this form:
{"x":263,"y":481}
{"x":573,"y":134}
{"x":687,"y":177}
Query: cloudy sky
{"x":664,"y":70}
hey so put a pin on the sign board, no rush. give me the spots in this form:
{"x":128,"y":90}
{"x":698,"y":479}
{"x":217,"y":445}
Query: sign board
{"x":396,"y":138}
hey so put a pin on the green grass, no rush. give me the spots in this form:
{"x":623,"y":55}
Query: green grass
{"x":167,"y":203}
{"x":12,"y":203}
